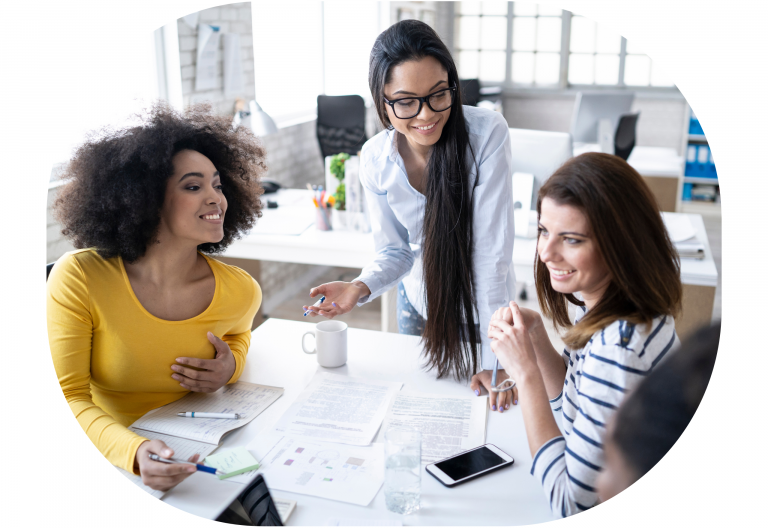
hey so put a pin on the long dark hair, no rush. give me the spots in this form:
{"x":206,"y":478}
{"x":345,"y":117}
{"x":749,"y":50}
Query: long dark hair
{"x":450,"y":337}
{"x":629,"y":233}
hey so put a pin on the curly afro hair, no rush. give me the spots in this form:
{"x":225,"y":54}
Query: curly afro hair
{"x":117,"y":179}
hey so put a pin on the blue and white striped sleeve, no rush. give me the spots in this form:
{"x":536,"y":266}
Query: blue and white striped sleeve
{"x":568,"y":469}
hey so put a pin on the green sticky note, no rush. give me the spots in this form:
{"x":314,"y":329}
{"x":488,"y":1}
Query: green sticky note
{"x":232,"y":462}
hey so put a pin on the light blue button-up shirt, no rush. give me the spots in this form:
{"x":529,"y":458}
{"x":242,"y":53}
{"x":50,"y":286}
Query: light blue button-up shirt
{"x":397,"y":216}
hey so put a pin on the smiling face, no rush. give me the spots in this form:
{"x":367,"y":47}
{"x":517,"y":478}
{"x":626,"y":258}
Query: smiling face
{"x":418,"y":78}
{"x":194,"y":204}
{"x":568,"y":249}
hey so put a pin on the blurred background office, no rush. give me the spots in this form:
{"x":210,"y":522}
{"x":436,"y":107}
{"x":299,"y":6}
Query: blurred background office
{"x":266,"y":63}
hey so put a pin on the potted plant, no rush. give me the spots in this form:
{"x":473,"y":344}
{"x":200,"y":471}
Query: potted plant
{"x":339,"y":208}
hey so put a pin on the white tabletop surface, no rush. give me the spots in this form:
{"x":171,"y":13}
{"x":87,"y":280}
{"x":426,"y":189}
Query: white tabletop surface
{"x":355,"y":250}
{"x":510,"y":496}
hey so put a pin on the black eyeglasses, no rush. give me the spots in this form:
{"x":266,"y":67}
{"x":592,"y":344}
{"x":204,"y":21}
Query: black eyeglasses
{"x":409,"y":107}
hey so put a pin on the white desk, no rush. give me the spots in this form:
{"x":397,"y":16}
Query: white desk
{"x":661,"y":168}
{"x":355,"y":250}
{"x":508,"y":497}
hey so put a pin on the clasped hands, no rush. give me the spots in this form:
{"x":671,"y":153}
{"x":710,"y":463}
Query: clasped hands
{"x":509,"y":330}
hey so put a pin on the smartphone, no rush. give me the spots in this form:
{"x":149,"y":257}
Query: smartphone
{"x":469,"y":464}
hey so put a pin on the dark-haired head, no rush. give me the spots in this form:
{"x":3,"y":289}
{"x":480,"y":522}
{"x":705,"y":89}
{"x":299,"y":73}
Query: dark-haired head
{"x":116,"y":181}
{"x":450,"y":337}
{"x":654,"y":416}
{"x":632,"y":241}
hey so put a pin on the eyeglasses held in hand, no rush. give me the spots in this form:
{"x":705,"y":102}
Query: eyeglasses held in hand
{"x":409,"y":107}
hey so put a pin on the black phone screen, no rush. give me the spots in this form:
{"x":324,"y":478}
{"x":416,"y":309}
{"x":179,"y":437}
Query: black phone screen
{"x":470,"y":463}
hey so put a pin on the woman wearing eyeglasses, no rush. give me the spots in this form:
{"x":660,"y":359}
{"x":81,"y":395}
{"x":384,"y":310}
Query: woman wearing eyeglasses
{"x":438,"y":186}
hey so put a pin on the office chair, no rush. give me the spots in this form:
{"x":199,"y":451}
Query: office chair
{"x":48,"y":268}
{"x":470,"y":91}
{"x":624,"y":140}
{"x":340,"y":124}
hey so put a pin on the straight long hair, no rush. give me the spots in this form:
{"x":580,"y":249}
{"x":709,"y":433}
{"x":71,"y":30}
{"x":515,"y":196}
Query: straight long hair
{"x":450,"y":337}
{"x":630,"y":235}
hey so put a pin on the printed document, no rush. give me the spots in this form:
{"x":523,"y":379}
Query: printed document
{"x":339,"y":409}
{"x":344,"y":473}
{"x":246,"y":399}
{"x":448,"y":424}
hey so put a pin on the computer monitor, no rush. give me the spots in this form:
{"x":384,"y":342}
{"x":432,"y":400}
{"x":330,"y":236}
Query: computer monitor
{"x":591,"y":107}
{"x":539,"y":153}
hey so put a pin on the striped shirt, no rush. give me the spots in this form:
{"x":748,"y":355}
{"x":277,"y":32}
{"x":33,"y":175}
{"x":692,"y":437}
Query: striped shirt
{"x":597,"y":379}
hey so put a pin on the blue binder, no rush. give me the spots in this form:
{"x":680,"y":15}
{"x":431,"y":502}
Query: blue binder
{"x":690,"y":161}
{"x":703,"y":159}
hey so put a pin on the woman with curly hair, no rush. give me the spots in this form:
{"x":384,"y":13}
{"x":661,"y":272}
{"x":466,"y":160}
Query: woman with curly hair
{"x":140,"y":314}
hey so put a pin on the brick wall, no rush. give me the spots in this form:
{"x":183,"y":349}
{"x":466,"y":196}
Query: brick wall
{"x":231,"y":18}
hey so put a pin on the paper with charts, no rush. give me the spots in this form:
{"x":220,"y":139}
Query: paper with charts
{"x":246,"y":399}
{"x":448,"y":424}
{"x":339,"y":472}
{"x":339,"y":409}
{"x":183,"y":449}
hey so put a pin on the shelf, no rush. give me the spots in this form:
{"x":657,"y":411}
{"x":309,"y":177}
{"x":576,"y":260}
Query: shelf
{"x":697,"y":179}
{"x":702,"y":208}
{"x":697,"y":138}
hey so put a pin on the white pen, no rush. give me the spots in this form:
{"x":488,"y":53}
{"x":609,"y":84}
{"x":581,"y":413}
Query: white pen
{"x":230,"y":416}
{"x":318,"y":303}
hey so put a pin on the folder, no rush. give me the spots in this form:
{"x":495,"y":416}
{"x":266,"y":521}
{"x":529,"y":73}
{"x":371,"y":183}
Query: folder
{"x":712,"y":168}
{"x":690,"y":161}
{"x":703,"y":161}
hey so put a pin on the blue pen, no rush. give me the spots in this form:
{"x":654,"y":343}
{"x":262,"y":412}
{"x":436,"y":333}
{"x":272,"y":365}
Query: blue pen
{"x":200,"y":467}
{"x":318,"y":303}
{"x":495,"y":370}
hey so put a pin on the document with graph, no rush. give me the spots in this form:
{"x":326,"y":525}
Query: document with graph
{"x":338,"y":472}
{"x":246,"y":399}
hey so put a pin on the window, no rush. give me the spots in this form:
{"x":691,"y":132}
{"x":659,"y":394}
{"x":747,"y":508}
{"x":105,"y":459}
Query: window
{"x":482,"y":44}
{"x":536,"y":36}
{"x":287,"y":66}
{"x":524,"y":44}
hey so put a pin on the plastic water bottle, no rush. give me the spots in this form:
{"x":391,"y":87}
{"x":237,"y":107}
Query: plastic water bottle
{"x":402,"y":478}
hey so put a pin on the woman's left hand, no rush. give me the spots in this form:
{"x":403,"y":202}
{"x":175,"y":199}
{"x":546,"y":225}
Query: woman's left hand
{"x":215,"y":374}
{"x":512,"y":344}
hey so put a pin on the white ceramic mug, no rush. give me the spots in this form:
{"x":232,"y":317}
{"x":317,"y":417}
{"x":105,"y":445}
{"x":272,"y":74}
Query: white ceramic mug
{"x":330,"y":343}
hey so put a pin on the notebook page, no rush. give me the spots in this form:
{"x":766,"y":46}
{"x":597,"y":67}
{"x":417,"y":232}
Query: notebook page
{"x":246,"y":399}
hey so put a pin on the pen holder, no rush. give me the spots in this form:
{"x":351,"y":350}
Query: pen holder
{"x":323,"y":219}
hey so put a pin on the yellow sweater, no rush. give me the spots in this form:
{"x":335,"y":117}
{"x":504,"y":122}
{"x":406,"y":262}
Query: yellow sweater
{"x":113,"y":358}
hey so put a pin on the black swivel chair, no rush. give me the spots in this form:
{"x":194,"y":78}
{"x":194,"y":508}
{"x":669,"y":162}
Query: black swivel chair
{"x":340,"y":124}
{"x":470,"y":92}
{"x":626,"y":131}
{"x":48,"y":268}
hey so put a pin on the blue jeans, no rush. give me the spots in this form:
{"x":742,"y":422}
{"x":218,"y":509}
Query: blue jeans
{"x":409,"y":321}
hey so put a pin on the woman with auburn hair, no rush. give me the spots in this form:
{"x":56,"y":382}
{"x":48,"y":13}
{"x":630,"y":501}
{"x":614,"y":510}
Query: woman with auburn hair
{"x":600,"y":235}
{"x":437,"y":182}
{"x":140,"y":314}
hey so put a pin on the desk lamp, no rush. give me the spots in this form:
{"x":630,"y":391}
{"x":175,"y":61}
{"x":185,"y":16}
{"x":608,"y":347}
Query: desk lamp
{"x":257,"y":119}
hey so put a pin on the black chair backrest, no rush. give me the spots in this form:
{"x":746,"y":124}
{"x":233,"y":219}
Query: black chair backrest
{"x":48,"y":268}
{"x":340,"y":124}
{"x":470,"y":92}
{"x":626,"y":131}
